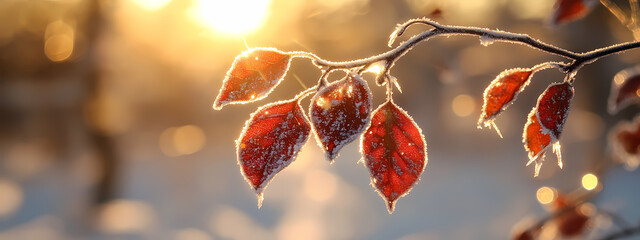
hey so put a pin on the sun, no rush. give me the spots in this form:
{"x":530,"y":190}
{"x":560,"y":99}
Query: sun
{"x":233,"y":17}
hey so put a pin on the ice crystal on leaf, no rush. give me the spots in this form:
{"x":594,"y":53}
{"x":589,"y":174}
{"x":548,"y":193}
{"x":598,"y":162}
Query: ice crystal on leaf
{"x":339,"y":112}
{"x":545,"y":123}
{"x":270,"y":141}
{"x":394,"y":151}
{"x":253,"y":75}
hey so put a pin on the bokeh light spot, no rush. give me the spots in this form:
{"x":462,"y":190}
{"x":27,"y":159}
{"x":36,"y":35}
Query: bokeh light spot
{"x":125,"y":216}
{"x":589,"y":181}
{"x":545,"y":195}
{"x":463,"y":105}
{"x":320,"y":186}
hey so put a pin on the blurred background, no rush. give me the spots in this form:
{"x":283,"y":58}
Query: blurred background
{"x":107,"y":130}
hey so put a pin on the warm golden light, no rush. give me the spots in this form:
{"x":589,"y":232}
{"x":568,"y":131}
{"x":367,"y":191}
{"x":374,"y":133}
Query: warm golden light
{"x":151,"y":5}
{"x":375,"y":69}
{"x":236,"y":17}
{"x":545,"y":195}
{"x":463,"y":105}
{"x":184,"y":140}
{"x":59,"y":41}
{"x":125,"y":216}
{"x":589,"y":181}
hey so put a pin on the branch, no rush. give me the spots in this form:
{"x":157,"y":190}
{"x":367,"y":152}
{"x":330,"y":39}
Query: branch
{"x":390,"y":57}
{"x":625,"y":232}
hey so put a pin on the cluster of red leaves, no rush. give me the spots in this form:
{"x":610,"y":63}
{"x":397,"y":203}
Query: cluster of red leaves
{"x":392,"y":146}
{"x":545,"y":121}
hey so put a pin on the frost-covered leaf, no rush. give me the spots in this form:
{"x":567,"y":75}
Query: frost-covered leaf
{"x":625,"y":141}
{"x":625,"y":89}
{"x":339,"y":113}
{"x":394,"y":151}
{"x":253,"y":75}
{"x":501,"y":93}
{"x":270,"y":141}
{"x":570,"y":10}
{"x":545,"y":123}
{"x":553,"y":107}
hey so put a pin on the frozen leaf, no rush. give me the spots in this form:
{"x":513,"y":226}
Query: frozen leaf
{"x":270,"y":141}
{"x":339,"y":113}
{"x":625,"y":89}
{"x":545,"y":123}
{"x":625,"y":141}
{"x":553,"y":107}
{"x":253,"y":75}
{"x":501,"y":93}
{"x":394,"y":151}
{"x":569,"y":10}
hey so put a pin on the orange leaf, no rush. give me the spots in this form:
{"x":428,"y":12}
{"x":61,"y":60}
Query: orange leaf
{"x":253,"y":75}
{"x":501,"y":93}
{"x":395,"y":152}
{"x":545,"y":123}
{"x":625,"y":89}
{"x":270,"y":141}
{"x":339,"y":113}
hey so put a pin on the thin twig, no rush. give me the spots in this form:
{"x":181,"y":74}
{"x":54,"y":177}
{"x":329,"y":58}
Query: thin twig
{"x":390,"y":57}
{"x":616,"y":11}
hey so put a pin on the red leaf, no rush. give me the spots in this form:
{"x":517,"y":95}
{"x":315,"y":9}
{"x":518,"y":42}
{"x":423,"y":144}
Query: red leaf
{"x":625,"y":141}
{"x":625,"y":89}
{"x":501,"y":93}
{"x":394,"y":151}
{"x":553,"y":107}
{"x":569,"y":10}
{"x":270,"y":141}
{"x":253,"y":75}
{"x":545,"y":123}
{"x":339,"y":113}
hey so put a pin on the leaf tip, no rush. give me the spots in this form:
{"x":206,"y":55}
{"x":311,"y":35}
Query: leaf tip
{"x":260,"y":199}
{"x":391,"y":206}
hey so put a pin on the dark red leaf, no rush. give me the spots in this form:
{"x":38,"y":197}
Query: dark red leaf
{"x":253,"y":75}
{"x":525,"y":235}
{"x":553,"y":107}
{"x":625,"y":141}
{"x":270,"y":141}
{"x":545,"y":123}
{"x":339,"y":113}
{"x":501,"y":93}
{"x":394,"y":151}
{"x":572,"y":223}
{"x":569,"y":10}
{"x":625,"y":89}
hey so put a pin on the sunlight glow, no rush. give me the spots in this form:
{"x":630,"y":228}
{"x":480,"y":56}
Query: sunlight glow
{"x":589,"y":181}
{"x":151,"y":5}
{"x":545,"y":195}
{"x":236,"y":17}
